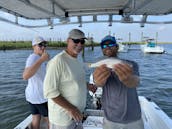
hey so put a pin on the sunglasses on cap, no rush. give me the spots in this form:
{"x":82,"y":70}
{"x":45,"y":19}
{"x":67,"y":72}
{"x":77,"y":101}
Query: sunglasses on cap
{"x":103,"y":46}
{"x":77,"y":41}
{"x":43,"y":44}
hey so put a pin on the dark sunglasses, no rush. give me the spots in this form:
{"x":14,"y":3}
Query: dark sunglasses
{"x":76,"y":41}
{"x":42,"y":45}
{"x":103,"y":46}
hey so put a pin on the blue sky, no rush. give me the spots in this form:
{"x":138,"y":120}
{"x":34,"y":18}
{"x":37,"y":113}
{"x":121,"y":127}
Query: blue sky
{"x":98,"y":30}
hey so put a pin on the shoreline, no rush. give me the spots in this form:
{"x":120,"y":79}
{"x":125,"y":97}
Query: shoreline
{"x":21,"y":45}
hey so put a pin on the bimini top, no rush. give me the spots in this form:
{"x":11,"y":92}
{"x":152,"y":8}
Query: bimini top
{"x":57,"y":12}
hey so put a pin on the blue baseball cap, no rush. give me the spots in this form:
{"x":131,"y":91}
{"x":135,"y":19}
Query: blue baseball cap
{"x":108,"y":38}
{"x":112,"y":42}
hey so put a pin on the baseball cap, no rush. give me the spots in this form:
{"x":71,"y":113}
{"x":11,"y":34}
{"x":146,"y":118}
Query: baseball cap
{"x":37,"y":40}
{"x":109,"y":38}
{"x":76,"y":34}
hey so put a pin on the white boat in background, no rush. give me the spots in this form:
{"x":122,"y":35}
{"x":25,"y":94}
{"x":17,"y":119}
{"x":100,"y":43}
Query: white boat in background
{"x":122,"y":47}
{"x":152,"y":47}
{"x":152,"y":115}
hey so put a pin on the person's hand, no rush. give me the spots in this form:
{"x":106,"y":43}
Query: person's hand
{"x":45,"y":56}
{"x":124,"y":71}
{"x":75,"y":114}
{"x":91,"y":88}
{"x":101,"y":74}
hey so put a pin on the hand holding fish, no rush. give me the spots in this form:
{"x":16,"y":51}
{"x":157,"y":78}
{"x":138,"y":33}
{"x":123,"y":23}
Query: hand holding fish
{"x":125,"y":74}
{"x":101,"y":74}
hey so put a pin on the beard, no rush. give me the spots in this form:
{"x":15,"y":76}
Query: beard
{"x":110,"y":53}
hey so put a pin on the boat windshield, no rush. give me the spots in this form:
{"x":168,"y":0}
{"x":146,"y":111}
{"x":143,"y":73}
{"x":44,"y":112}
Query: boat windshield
{"x":151,"y":44}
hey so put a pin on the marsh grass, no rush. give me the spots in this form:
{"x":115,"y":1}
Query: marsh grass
{"x":9,"y":45}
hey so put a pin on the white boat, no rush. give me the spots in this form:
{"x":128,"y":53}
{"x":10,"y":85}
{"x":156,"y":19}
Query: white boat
{"x":152,"y":47}
{"x":122,"y":47}
{"x":152,"y":115}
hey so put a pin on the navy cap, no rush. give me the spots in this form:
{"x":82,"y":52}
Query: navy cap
{"x":108,"y":38}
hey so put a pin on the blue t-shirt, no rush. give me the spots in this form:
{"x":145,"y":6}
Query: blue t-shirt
{"x":120,"y":103}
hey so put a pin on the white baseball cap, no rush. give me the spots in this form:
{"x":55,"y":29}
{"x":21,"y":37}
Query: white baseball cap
{"x":37,"y":40}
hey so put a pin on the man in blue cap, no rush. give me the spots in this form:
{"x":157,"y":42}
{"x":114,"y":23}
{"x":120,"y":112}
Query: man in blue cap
{"x":119,"y":98}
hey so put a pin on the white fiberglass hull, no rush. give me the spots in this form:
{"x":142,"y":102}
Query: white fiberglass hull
{"x":156,"y":49}
{"x":122,"y":48}
{"x":152,"y":115}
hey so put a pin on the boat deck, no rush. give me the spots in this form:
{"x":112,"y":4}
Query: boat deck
{"x":152,"y":115}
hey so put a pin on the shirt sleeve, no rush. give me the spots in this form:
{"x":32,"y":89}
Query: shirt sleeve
{"x":51,"y":81}
{"x":31,"y":60}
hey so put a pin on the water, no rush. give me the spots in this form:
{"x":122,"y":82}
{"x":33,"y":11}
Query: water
{"x":155,"y":73}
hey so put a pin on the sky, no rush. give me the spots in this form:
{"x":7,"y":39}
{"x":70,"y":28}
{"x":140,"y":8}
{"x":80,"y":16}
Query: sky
{"x":121,"y":31}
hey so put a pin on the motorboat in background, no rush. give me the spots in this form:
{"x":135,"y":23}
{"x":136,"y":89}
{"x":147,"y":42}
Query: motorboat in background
{"x":152,"y":47}
{"x":122,"y":47}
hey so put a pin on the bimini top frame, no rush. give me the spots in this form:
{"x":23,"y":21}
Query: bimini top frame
{"x":60,"y":12}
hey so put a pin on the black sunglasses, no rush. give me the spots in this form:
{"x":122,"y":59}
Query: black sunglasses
{"x":76,"y":41}
{"x":44,"y":44}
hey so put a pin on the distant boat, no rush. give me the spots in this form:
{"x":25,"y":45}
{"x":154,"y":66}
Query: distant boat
{"x":122,"y":47}
{"x":152,"y":47}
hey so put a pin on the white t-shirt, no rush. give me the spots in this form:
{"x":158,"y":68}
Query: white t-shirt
{"x":34,"y":89}
{"x":66,"y":77}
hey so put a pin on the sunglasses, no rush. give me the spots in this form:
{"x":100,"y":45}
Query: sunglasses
{"x":42,"y":45}
{"x":103,"y":46}
{"x":77,"y":41}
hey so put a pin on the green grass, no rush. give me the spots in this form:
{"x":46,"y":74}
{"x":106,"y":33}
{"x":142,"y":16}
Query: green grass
{"x":9,"y":45}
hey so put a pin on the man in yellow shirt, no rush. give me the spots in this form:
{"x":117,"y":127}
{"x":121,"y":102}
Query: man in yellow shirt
{"x":65,"y":85}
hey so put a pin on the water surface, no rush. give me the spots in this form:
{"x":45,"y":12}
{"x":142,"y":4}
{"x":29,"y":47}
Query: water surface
{"x":155,"y":73}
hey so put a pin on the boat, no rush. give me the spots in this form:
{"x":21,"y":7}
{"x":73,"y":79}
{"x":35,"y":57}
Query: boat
{"x":153,"y":117}
{"x":59,"y":12}
{"x":152,"y":47}
{"x":122,"y":47}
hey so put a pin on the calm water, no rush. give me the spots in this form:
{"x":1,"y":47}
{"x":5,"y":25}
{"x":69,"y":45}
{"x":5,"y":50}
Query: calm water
{"x":155,"y":72}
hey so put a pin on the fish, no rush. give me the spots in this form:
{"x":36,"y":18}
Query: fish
{"x":110,"y":62}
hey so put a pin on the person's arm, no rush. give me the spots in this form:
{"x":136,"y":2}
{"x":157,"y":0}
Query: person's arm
{"x":30,"y":71}
{"x":126,"y":75}
{"x":72,"y":110}
{"x":101,"y":75}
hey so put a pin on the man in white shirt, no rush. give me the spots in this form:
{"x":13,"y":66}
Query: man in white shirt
{"x":35,"y":72}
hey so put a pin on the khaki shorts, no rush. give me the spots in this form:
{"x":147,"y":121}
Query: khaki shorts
{"x":132,"y":125}
{"x":74,"y":125}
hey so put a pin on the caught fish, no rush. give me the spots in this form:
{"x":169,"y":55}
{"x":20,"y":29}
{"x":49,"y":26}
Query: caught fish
{"x":110,"y":62}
